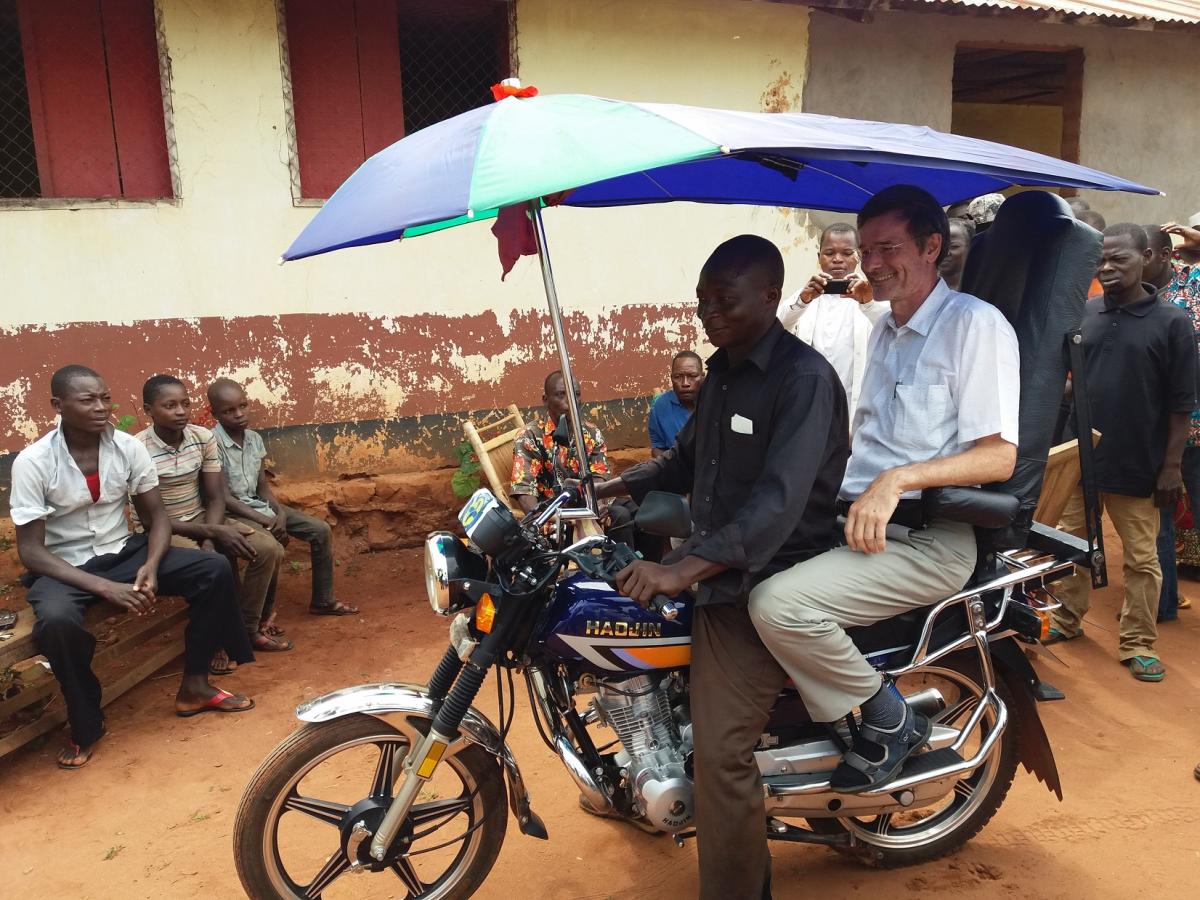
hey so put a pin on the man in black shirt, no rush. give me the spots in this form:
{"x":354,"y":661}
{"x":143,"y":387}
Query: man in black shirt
{"x":1140,"y":358}
{"x":762,"y":458}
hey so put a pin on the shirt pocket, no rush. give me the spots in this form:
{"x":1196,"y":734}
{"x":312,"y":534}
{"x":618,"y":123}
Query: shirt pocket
{"x":922,"y":415}
{"x":742,"y":456}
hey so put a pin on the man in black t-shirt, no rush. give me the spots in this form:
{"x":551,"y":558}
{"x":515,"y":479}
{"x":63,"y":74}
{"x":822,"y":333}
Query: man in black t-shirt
{"x":1140,"y":365}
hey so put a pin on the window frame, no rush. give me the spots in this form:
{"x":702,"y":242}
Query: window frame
{"x":289,"y":104}
{"x":165,"y":80}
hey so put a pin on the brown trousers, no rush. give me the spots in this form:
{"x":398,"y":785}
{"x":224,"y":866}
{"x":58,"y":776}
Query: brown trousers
{"x":734,"y":683}
{"x":257,"y":579}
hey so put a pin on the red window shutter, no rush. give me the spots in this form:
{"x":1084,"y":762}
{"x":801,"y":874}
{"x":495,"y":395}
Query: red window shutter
{"x":379,"y":74}
{"x":137,"y":107}
{"x":324,"y":61}
{"x":63,"y":46}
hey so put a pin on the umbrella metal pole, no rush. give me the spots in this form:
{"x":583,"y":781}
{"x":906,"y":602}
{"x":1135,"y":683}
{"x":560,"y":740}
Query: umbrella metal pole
{"x":564,"y":359}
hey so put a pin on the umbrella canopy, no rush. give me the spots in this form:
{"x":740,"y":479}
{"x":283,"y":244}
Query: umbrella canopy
{"x":616,"y":153}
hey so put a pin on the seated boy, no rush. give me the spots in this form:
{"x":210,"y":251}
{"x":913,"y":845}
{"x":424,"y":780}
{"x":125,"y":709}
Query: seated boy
{"x":249,"y":497}
{"x":187,"y":459}
{"x":69,"y":495}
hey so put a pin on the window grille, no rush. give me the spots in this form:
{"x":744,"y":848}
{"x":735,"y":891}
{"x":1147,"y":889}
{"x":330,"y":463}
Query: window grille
{"x":81,"y":101}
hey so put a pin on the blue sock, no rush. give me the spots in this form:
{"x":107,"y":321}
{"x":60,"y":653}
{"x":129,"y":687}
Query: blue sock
{"x":885,"y":710}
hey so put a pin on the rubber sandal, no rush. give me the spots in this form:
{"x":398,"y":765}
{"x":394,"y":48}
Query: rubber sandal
{"x":1185,"y":602}
{"x":215,"y":704}
{"x":1140,"y":666}
{"x":227,"y":669}
{"x":337,"y":608}
{"x":273,"y":631}
{"x":77,"y":751}
{"x":1058,"y":637}
{"x":856,"y":773}
{"x":265,"y":644}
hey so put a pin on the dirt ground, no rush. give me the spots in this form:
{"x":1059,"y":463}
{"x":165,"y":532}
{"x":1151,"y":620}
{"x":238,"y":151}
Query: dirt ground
{"x":152,"y":815}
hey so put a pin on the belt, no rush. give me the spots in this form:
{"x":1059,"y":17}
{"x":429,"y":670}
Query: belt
{"x":909,"y":513}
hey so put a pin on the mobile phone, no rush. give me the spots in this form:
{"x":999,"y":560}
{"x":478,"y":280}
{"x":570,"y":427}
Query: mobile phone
{"x":837,"y":286}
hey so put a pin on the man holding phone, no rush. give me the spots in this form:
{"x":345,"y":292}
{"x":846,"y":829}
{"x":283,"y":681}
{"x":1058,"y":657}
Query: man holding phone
{"x":835,"y":310}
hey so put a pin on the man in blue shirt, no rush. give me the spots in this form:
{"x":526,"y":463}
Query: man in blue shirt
{"x":671,"y":410}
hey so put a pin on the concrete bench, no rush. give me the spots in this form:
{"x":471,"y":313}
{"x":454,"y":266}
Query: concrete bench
{"x":129,"y":649}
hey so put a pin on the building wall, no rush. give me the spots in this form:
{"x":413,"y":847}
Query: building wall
{"x":393,"y":341}
{"x":899,"y":68}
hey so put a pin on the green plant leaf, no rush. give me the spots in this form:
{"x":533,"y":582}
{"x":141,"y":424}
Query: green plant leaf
{"x":464,"y":484}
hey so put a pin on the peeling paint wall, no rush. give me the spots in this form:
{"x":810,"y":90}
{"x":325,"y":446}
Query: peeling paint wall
{"x":397,"y":332}
{"x":900,"y":68}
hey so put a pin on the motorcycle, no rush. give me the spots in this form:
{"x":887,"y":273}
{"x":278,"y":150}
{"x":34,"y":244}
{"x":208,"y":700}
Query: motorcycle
{"x":411,"y":781}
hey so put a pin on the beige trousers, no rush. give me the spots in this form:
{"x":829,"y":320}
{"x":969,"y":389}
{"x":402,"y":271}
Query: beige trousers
{"x":1136,"y":520}
{"x":801,"y":614}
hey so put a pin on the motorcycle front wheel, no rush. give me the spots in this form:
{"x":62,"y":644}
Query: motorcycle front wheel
{"x":301,"y":823}
{"x":914,"y":836}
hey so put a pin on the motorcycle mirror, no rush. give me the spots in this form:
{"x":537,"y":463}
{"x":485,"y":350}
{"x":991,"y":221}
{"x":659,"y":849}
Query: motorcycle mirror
{"x":665,"y":515}
{"x":562,"y":432}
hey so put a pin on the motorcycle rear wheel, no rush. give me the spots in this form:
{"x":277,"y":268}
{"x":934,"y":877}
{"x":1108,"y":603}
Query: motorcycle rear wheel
{"x":887,"y":840}
{"x":477,"y":817}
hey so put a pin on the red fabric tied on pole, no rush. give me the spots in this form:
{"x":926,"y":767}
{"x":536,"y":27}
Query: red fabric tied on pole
{"x":514,"y":236}
{"x":500,"y":91}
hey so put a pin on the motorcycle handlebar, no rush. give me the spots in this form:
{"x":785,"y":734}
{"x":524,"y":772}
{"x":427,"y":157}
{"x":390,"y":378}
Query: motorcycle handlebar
{"x":665,"y":607}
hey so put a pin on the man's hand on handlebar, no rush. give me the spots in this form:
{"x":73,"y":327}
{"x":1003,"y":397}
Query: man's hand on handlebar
{"x":642,"y":581}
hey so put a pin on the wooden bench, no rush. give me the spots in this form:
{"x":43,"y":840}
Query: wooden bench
{"x":129,"y":649}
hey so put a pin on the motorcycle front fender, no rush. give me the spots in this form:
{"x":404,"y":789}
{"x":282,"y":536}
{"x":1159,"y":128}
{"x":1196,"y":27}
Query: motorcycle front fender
{"x":413,"y":702}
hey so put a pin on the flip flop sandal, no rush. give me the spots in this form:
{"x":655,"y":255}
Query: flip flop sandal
{"x":1185,"y":602}
{"x":1140,"y":666}
{"x":1057,"y":637}
{"x":227,"y":669}
{"x":273,"y":631}
{"x":337,"y":608}
{"x":857,"y":773}
{"x":76,"y":752}
{"x":271,"y":645}
{"x":213,"y":704}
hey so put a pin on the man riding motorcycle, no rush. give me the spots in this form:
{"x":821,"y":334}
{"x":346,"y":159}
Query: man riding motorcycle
{"x":938,"y":407}
{"x":762,"y":458}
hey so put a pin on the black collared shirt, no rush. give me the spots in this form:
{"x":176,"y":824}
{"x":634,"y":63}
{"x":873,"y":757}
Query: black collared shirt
{"x":762,"y":458}
{"x":1140,"y":364}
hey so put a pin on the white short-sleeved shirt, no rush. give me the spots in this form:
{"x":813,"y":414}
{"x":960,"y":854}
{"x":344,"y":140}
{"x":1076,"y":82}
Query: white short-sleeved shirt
{"x":47,"y":484}
{"x":932,"y":387}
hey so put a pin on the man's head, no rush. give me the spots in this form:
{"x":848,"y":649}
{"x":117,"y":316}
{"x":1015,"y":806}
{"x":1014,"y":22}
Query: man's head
{"x":555,"y":395}
{"x":81,"y":399}
{"x":1158,"y":268}
{"x":1078,"y":205}
{"x":962,"y":231}
{"x":838,"y":256}
{"x":687,"y":374}
{"x":1091,"y":217}
{"x":229,"y":403}
{"x":904,"y":234}
{"x":738,"y":292}
{"x":1123,"y":260}
{"x":165,"y":400}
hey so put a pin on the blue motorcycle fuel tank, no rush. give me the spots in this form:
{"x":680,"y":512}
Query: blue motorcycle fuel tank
{"x":593,"y":628}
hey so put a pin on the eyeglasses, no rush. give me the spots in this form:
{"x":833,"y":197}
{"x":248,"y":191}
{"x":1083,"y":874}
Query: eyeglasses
{"x":885,"y":251}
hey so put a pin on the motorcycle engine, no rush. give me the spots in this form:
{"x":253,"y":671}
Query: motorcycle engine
{"x":656,"y":742}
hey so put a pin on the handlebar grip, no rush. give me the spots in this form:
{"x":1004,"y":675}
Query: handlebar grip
{"x":665,"y":607}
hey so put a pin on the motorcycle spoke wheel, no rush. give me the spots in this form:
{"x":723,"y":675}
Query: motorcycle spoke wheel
{"x":334,"y":866}
{"x":412,"y":881}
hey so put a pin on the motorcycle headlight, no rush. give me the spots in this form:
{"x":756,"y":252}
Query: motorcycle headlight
{"x":437,"y":572}
{"x":448,"y":565}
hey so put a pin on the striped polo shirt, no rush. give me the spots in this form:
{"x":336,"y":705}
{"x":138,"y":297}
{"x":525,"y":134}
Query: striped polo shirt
{"x":179,"y":469}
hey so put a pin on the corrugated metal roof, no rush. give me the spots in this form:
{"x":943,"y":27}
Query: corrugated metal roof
{"x":1175,"y":11}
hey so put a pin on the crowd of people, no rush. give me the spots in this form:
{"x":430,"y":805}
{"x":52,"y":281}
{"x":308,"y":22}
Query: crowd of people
{"x":207,"y":527}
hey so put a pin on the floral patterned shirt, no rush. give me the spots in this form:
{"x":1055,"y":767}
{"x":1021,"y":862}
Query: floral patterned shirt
{"x":539,"y":465}
{"x":1184,"y":292}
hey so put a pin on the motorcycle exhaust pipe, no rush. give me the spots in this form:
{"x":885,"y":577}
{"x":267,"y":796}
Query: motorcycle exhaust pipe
{"x":588,"y":786}
{"x":928,"y":703}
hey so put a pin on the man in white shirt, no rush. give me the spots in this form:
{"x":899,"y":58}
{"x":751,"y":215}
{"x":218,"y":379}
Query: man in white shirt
{"x":836,"y":323}
{"x":68,"y":502}
{"x":939,"y":407}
